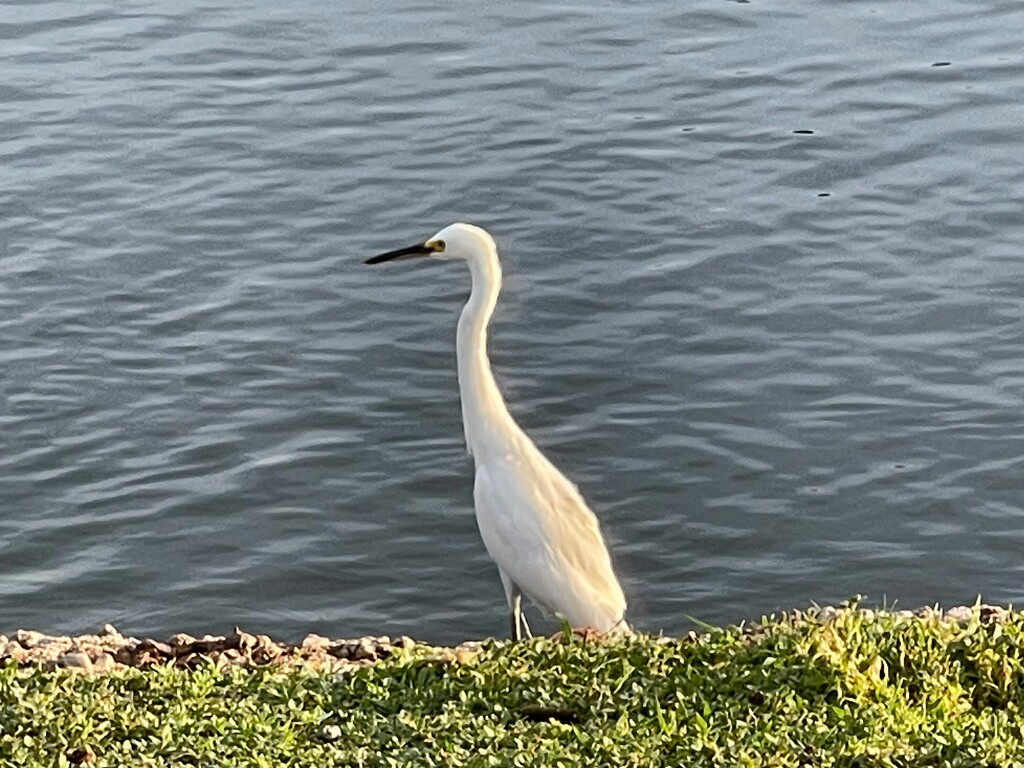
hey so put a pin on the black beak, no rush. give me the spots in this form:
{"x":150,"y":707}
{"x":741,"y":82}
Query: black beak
{"x":409,"y":252}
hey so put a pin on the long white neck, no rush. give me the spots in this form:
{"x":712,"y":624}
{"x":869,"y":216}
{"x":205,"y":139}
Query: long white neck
{"x":485,"y":416}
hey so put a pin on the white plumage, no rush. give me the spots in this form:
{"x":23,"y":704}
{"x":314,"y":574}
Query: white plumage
{"x":536,"y":527}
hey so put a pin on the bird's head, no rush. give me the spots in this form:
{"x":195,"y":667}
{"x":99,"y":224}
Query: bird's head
{"x":456,"y":241}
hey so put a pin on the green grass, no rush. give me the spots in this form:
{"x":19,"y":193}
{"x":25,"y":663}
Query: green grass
{"x":857,"y":690}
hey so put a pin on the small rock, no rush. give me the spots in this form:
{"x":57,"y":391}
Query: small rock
{"x":992,"y":613}
{"x":189,"y":660}
{"x":405,"y":642}
{"x":180,"y":640}
{"x":140,"y":659}
{"x":313,"y":642}
{"x":9,"y":650}
{"x":80,"y":755}
{"x":54,"y":640}
{"x":243,"y":641}
{"x":104,"y":662}
{"x":263,"y":656}
{"x":75,"y":660}
{"x":208,"y":643}
{"x":330,"y":732}
{"x":960,"y":613}
{"x":342,"y":667}
{"x":205,"y":645}
{"x":149,"y":645}
{"x":341,"y":649}
{"x":109,"y":630}
{"x":229,"y":658}
{"x":29,"y":638}
{"x":465,"y":655}
{"x":366,"y":649}
{"x":45,"y":652}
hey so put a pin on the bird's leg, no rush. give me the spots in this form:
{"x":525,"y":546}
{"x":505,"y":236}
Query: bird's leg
{"x":520,"y":628}
{"x":526,"y":627}
{"x":517,"y":612}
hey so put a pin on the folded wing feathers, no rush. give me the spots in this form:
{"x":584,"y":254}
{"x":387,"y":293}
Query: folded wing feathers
{"x":539,"y":530}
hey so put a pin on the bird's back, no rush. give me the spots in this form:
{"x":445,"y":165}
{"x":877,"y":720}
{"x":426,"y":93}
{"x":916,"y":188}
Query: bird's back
{"x":543,"y":536}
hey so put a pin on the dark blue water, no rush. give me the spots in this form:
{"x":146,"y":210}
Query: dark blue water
{"x":764,"y":302}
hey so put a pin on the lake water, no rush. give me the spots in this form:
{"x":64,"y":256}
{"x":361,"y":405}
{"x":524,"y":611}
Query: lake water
{"x":764,"y":302}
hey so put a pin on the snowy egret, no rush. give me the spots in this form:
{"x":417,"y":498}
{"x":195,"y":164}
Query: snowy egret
{"x":546,"y":542}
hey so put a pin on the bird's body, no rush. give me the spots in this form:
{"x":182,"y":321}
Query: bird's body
{"x":536,"y":527}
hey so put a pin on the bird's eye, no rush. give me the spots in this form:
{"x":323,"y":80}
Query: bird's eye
{"x":438,"y":246}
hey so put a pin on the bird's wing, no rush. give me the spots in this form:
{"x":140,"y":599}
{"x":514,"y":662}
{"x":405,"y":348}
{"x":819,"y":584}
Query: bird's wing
{"x":539,"y":530}
{"x":575,"y":536}
{"x":512,"y":535}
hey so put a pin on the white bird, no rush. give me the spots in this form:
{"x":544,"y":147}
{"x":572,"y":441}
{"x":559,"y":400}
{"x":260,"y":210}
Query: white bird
{"x":546,"y":542}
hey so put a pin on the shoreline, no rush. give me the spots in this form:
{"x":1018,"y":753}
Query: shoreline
{"x":110,"y":651}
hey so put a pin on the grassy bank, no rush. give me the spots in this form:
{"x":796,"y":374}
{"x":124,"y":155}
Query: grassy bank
{"x":846,"y":688}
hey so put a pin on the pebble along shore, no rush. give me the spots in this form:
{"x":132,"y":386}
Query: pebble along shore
{"x":109,"y":650}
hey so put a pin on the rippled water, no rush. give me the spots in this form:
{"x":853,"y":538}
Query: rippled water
{"x":763,"y":301}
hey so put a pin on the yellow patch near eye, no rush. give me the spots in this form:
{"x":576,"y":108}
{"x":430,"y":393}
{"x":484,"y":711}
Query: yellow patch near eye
{"x":437,"y":246}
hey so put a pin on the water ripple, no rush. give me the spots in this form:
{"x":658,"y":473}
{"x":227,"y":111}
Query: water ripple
{"x":762,"y":300}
